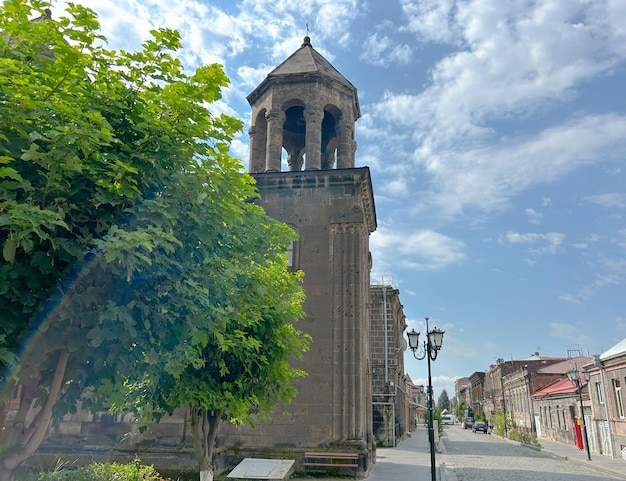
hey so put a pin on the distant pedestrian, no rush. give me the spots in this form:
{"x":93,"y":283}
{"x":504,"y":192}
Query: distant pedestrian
{"x":490,"y":427}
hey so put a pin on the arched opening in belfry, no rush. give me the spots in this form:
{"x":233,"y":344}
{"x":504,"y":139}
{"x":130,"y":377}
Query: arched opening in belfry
{"x":332,"y":115}
{"x":329,"y":136}
{"x":294,"y":135}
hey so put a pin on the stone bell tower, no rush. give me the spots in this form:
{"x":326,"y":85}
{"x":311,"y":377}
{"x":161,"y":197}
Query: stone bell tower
{"x":303,"y":117}
{"x":306,"y":107}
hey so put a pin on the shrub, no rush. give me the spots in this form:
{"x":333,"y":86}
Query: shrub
{"x":525,"y":438}
{"x":101,"y":472}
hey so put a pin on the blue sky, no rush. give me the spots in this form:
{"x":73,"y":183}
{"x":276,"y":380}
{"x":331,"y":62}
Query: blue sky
{"x":495,"y":132}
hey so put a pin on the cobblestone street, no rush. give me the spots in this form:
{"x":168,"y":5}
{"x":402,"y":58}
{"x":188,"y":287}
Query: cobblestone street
{"x":480,"y":457}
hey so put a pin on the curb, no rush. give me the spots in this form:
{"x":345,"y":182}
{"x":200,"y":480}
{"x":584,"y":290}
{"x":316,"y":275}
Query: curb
{"x":445,"y":473}
{"x":588,"y":464}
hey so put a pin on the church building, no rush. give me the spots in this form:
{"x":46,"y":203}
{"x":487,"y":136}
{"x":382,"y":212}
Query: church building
{"x":302,"y":155}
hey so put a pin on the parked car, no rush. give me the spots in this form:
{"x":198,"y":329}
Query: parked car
{"x":480,"y":426}
{"x":468,"y":423}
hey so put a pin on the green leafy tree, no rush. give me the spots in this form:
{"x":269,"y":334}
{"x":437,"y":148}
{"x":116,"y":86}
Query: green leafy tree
{"x":436,"y":419}
{"x":443,"y":402}
{"x":132,"y":255}
{"x":499,"y":424}
{"x":460,"y":409}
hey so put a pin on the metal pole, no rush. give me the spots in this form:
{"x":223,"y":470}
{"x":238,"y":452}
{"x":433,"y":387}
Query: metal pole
{"x":582,"y":418}
{"x":431,"y":428}
{"x":506,"y":434}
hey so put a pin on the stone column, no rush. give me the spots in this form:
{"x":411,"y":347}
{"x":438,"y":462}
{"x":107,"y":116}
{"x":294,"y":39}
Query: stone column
{"x":351,"y":391}
{"x":345,"y":144}
{"x":328,"y":160}
{"x":313,"y":142}
{"x":257,"y":150}
{"x":273,"y":152}
{"x":295,"y":162}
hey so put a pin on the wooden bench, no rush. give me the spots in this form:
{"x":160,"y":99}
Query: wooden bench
{"x":331,"y":460}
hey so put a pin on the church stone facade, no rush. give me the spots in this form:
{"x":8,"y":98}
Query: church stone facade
{"x":302,"y":153}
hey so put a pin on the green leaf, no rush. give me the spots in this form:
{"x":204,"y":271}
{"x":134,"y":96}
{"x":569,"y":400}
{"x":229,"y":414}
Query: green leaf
{"x":8,"y":251}
{"x":10,"y":172}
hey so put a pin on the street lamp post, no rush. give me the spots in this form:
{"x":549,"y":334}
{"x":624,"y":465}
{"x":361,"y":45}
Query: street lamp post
{"x":431,"y":347}
{"x":574,"y":376}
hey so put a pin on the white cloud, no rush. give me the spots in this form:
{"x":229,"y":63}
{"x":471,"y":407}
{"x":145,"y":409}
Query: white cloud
{"x":251,"y":77}
{"x":381,"y":51}
{"x":210,"y":34}
{"x":422,"y":250}
{"x":240,"y":150}
{"x":569,"y":298}
{"x":467,"y":173}
{"x":571,"y":334}
{"x":513,"y":60}
{"x":431,"y":20}
{"x":601,"y":280}
{"x":548,"y":243}
{"x":533,"y":216}
{"x":612,"y":199}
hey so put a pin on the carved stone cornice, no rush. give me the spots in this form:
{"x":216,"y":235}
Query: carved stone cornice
{"x":348,"y":228}
{"x":325,"y":179}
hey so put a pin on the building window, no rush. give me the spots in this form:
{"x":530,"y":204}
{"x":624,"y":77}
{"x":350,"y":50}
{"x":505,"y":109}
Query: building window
{"x":619,"y":402}
{"x":600,"y":393}
{"x":550,"y":424}
{"x":290,"y":255}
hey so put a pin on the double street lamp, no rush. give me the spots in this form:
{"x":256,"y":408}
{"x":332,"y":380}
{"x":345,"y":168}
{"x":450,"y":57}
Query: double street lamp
{"x":574,"y":376}
{"x":429,"y":350}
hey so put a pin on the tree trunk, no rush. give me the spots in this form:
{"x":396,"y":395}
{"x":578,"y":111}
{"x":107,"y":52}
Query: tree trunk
{"x":206,"y":475}
{"x":204,"y":426}
{"x":7,"y":474}
{"x":20,"y":440}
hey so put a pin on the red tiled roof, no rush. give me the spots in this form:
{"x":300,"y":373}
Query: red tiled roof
{"x":560,"y":386}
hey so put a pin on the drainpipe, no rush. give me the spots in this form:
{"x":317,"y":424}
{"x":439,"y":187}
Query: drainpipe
{"x":598,"y":363}
{"x":386,"y":347}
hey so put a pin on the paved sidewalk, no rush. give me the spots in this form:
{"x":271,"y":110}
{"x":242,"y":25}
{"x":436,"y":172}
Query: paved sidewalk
{"x":573,"y":454}
{"x":602,"y":464}
{"x":409,"y":460}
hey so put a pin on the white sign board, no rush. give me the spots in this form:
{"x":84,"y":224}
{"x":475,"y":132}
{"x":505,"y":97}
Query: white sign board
{"x":256,"y":468}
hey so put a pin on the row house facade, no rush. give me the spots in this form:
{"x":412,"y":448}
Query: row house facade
{"x":497,"y":392}
{"x":462,"y":392}
{"x":477,"y":383}
{"x":418,"y":400}
{"x":607,"y":399}
{"x":558,"y":413}
{"x":537,"y":396}
{"x":529,"y":378}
